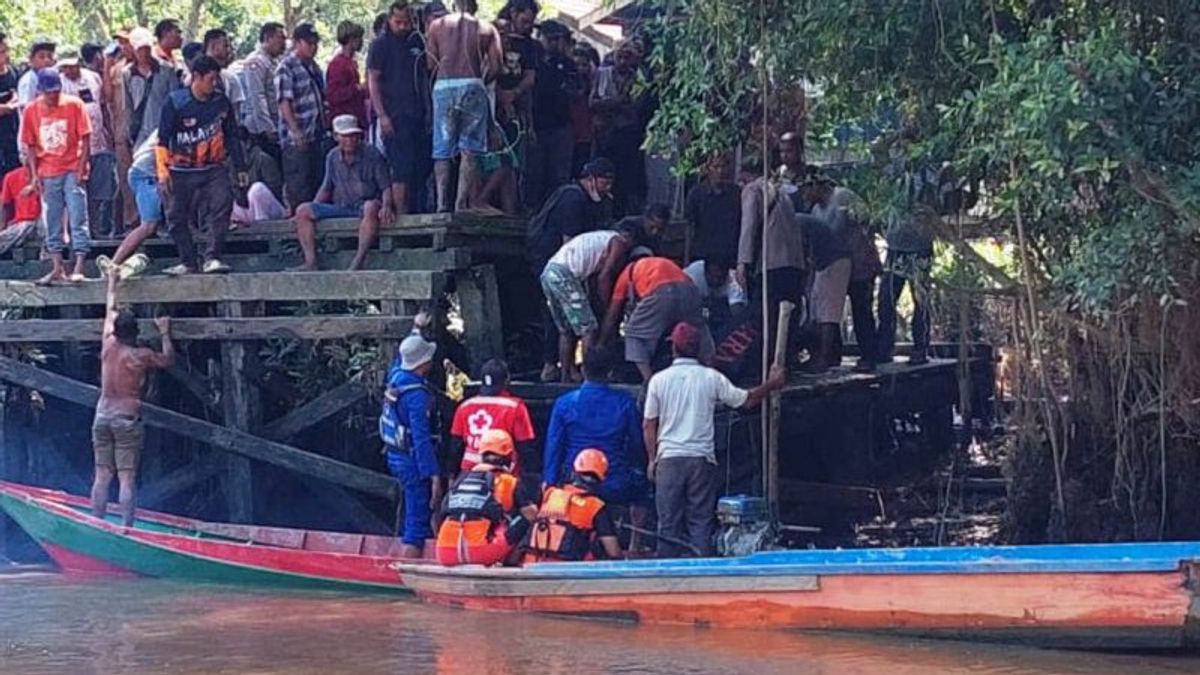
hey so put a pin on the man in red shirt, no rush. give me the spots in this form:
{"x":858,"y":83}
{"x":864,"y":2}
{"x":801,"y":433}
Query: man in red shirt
{"x":658,"y":295}
{"x":343,"y":86}
{"x":19,"y":201}
{"x":494,"y":408}
{"x":57,"y":131}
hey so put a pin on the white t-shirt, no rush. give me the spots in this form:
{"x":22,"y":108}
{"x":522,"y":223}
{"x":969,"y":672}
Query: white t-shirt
{"x":683,"y":399}
{"x":582,"y":255}
{"x":89,"y":88}
{"x":730,"y":291}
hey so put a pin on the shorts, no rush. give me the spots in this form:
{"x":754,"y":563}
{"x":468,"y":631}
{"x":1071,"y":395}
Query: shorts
{"x":117,"y":441}
{"x":461,"y":112}
{"x":828,"y":294}
{"x":325,"y":210}
{"x":146,"y":195}
{"x":568,"y":301}
{"x":656,"y":315}
{"x":629,"y":487}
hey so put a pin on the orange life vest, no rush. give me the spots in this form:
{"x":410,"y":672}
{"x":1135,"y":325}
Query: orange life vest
{"x":477,"y":503}
{"x":564,"y":526}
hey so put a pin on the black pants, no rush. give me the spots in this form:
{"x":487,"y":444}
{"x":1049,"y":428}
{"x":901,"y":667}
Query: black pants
{"x":901,"y":268}
{"x":303,"y":171}
{"x":785,"y":283}
{"x":203,"y":197}
{"x":685,"y":496}
{"x":862,"y":298}
{"x":624,"y":148}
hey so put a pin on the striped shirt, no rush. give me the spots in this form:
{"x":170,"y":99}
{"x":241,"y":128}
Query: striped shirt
{"x":303,"y":85}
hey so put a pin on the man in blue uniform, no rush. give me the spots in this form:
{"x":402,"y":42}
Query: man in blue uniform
{"x":408,"y":433}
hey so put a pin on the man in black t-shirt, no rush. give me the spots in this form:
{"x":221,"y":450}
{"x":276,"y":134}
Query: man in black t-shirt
{"x":399,"y":86}
{"x":552,"y":147}
{"x":9,"y":159}
{"x":571,"y":210}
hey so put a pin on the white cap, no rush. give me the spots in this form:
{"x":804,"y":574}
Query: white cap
{"x":141,"y":37}
{"x":344,"y":125}
{"x":416,"y":351}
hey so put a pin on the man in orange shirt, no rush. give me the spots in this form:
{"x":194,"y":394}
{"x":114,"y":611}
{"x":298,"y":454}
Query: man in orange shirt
{"x":658,"y":294}
{"x":57,"y":131}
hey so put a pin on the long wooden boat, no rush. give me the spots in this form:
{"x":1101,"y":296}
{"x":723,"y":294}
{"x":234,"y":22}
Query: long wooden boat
{"x":1119,"y":596}
{"x":163,"y":545}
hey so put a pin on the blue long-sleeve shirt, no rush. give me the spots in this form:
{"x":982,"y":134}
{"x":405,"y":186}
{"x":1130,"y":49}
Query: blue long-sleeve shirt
{"x":593,"y":416}
{"x":415,"y":407}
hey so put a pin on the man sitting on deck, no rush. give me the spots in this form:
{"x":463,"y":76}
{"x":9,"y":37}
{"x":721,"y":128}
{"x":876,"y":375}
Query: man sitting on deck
{"x":572,"y":519}
{"x":117,"y":428}
{"x":357,"y":185}
{"x":488,"y":509}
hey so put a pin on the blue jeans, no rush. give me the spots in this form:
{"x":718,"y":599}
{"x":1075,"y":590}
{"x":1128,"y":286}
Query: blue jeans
{"x":417,"y":493}
{"x":66,"y":192}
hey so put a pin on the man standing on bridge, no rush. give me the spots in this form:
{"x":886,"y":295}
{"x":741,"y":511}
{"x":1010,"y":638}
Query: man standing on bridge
{"x":117,"y":429}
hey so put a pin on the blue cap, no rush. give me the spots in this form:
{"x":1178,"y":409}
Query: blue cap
{"x":48,"y":81}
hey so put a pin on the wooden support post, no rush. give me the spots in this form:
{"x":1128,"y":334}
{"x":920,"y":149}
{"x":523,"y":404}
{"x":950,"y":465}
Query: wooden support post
{"x":479,"y":299}
{"x":242,"y":409}
{"x":771,"y":466}
{"x":215,"y":435}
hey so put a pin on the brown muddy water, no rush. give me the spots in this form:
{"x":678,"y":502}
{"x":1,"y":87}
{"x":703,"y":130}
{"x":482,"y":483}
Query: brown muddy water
{"x":49,"y":624}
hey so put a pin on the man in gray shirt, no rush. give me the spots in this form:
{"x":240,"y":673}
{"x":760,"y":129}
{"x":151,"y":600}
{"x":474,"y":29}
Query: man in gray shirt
{"x":148,"y":82}
{"x":260,"y":112}
{"x":357,"y":185}
{"x":909,"y":260}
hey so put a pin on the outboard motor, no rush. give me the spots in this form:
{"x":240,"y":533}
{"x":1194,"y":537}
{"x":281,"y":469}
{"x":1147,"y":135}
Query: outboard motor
{"x":746,"y":526}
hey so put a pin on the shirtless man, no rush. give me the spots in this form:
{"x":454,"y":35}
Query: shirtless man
{"x":463,"y":54}
{"x":117,"y":429}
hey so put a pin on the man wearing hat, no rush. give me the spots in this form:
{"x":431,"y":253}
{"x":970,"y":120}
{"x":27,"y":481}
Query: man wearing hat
{"x":680,"y":441}
{"x":86,"y":84}
{"x":570,"y":210}
{"x":552,"y":147}
{"x":408,"y":434}
{"x":147,"y":83}
{"x":356,"y":185}
{"x":56,"y":130}
{"x":300,"y":90}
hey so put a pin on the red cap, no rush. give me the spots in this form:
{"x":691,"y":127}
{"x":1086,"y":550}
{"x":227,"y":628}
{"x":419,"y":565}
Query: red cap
{"x":686,"y":338}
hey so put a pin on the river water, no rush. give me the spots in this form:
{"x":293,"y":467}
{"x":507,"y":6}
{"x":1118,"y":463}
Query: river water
{"x":50,"y":624}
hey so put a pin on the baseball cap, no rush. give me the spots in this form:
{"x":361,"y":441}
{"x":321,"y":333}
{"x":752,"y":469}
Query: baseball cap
{"x":68,"y":58}
{"x":686,"y":338}
{"x":141,"y":37}
{"x":552,"y":28}
{"x":600,"y":167}
{"x":306,"y":32}
{"x":344,"y":125}
{"x":48,"y":81}
{"x":40,"y":43}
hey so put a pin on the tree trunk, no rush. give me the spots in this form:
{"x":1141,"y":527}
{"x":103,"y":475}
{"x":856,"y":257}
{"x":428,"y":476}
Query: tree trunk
{"x":193,"y":20}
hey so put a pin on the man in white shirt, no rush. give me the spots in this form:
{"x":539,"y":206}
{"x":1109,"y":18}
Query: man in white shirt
{"x":102,"y":177}
{"x":678,"y":428}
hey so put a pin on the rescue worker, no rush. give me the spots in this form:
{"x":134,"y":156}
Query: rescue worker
{"x":488,"y":509}
{"x":407,"y":431}
{"x":572,"y":519}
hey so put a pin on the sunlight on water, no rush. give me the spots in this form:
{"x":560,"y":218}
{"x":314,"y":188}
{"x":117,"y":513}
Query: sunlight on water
{"x":54,"y":625}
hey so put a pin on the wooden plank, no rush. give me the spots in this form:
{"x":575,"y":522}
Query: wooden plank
{"x":396,"y":259}
{"x":315,"y":411}
{"x":265,"y":286}
{"x":216,"y":328}
{"x":215,"y":435}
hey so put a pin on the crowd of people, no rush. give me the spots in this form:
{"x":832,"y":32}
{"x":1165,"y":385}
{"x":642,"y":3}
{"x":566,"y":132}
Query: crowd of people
{"x":460,"y":113}
{"x":453,"y":113}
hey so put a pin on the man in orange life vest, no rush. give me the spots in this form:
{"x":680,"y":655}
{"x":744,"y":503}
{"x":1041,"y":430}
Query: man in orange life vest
{"x":572,"y":519}
{"x":488,"y":509}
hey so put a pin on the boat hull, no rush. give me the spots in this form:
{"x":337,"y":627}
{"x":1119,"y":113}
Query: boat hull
{"x":1126,"y":609}
{"x":169,"y":547}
